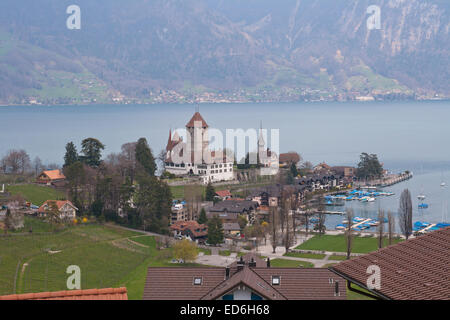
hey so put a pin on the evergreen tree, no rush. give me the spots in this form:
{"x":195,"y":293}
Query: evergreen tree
{"x":294,"y":170}
{"x":215,"y":231}
{"x":202,"y":218}
{"x":369,"y":166}
{"x":210,"y":192}
{"x":92,"y":151}
{"x":71,"y":155}
{"x":144,"y":157}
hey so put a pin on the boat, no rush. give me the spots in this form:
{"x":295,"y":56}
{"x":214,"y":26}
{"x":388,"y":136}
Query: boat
{"x":340,"y":227}
{"x":423,"y":206}
{"x":372,"y":199}
{"x":374,"y":223}
{"x":443,"y":184}
{"x":358,"y":219}
{"x":421,"y":197}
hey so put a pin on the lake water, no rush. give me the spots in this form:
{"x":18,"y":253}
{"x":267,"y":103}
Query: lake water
{"x":411,"y":136}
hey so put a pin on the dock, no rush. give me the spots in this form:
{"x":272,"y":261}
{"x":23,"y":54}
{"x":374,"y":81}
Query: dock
{"x":323,"y":212}
{"x":360,"y":223}
{"x":426,"y":228}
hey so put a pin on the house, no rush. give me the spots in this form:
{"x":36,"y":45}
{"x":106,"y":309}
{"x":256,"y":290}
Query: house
{"x":232,"y":229}
{"x":287,"y":159}
{"x":415,"y":269}
{"x":344,"y":171}
{"x":88,"y":294}
{"x":178,"y":213}
{"x":249,"y":278}
{"x":322,"y":168}
{"x":223,"y":194}
{"x":66,"y":209}
{"x":193,"y":157}
{"x":49,"y":177}
{"x":228,"y":211}
{"x":190,"y":229}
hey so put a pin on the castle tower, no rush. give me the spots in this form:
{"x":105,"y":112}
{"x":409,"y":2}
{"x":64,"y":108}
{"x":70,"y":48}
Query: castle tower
{"x":197,"y":130}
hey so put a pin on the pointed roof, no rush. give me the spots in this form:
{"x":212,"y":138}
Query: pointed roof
{"x":169,"y":142}
{"x":196,"y":117}
{"x":250,"y":279}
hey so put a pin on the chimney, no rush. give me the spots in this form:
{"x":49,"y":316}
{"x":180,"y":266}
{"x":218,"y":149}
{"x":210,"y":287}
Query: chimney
{"x":268,"y":262}
{"x":252,"y":263}
{"x":227,"y":273}
{"x":336,"y":288}
{"x":240,"y":264}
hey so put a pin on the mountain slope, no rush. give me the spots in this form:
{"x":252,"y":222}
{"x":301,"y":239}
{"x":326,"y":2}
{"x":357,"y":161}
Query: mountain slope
{"x":260,"y":49}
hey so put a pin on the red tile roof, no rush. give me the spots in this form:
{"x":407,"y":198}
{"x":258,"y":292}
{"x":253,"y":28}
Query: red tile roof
{"x":223,"y":193}
{"x":88,"y":294}
{"x":196,"y":117}
{"x":53,"y":174}
{"x":59,"y":204}
{"x":418,"y":268}
{"x":192,"y":226}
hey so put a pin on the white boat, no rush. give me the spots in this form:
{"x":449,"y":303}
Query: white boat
{"x":421,"y":197}
{"x":371,"y":200}
{"x":443,"y":184}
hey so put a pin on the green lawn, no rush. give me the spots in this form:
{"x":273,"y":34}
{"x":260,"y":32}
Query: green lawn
{"x":284,"y":263}
{"x":337,"y":257}
{"x":305,"y":255}
{"x":337,"y":243}
{"x":36,"y":194}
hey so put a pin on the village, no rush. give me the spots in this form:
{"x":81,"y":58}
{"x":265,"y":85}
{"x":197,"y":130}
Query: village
{"x":227,"y":215}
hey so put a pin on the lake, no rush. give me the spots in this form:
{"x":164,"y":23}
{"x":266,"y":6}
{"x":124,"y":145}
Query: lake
{"x":411,"y":136}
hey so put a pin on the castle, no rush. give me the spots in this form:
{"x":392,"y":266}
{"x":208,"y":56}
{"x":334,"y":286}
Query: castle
{"x":193,"y":156}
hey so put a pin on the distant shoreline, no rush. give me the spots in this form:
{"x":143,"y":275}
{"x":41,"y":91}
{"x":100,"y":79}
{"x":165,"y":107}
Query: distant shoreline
{"x":223,"y":103}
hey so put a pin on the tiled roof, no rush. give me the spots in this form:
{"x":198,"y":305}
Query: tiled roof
{"x":418,"y":268}
{"x":305,"y":283}
{"x":197,"y":117}
{"x":233,"y":206}
{"x":234,"y":226}
{"x":249,"y":278}
{"x":174,"y":283}
{"x":88,"y":294}
{"x":295,"y":283}
{"x":59,"y":204}
{"x":54,"y":174}
{"x":223,"y":193}
{"x":192,"y":226}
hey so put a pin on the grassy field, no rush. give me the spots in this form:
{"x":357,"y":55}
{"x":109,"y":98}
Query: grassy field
{"x":284,"y":263}
{"x":108,"y":256}
{"x":305,"y":255}
{"x":337,"y":243}
{"x":36,"y":194}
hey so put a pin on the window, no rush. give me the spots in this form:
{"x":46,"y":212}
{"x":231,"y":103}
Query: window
{"x":275,"y":280}
{"x":198,"y":281}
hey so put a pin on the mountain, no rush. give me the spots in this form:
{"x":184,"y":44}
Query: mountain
{"x":195,"y":50}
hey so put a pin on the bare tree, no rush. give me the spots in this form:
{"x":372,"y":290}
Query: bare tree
{"x":37,"y":165}
{"x":349,"y":232}
{"x":391,"y":226}
{"x":16,"y":161}
{"x":380,"y":228}
{"x":274,"y":227}
{"x":405,"y":213}
{"x":193,"y":197}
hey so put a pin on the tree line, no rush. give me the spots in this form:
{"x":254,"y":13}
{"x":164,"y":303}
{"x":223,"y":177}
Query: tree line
{"x":121,"y":188}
